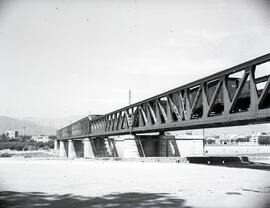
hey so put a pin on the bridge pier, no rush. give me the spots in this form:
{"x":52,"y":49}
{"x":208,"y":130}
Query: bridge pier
{"x":131,"y":149}
{"x":112,"y":146}
{"x":79,"y":147}
{"x":88,"y":149}
{"x":117,"y":142}
{"x":62,"y":149}
{"x":109,"y":147}
{"x":131,"y":146}
{"x":71,"y":149}
{"x":124,"y":146}
{"x":168,"y":146}
{"x":56,"y":146}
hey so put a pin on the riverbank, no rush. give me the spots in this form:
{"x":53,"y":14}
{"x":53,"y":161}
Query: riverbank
{"x":7,"y":153}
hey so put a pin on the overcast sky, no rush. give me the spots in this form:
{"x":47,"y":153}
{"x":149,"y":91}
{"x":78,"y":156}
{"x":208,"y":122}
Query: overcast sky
{"x":63,"y":58}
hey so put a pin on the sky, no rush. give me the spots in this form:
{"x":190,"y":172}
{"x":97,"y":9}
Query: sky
{"x":65,"y":58}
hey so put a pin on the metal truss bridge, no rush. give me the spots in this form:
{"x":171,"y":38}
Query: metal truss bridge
{"x":236,"y":96}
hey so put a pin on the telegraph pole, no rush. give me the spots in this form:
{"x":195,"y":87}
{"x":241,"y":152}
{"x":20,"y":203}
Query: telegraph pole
{"x":129,"y":97}
{"x":23,"y":131}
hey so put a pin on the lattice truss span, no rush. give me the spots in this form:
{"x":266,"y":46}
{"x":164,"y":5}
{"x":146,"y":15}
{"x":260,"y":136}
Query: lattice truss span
{"x":236,"y":96}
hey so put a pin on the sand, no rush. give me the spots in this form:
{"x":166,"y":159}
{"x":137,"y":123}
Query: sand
{"x":85,"y":183}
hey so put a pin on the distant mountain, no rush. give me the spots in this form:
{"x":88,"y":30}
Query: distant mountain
{"x":55,"y":123}
{"x":31,"y":128}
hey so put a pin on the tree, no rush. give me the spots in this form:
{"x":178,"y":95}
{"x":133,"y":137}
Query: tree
{"x":210,"y":141}
{"x":4,"y":138}
{"x":264,"y":140}
{"x":242,"y":140}
{"x":52,"y":137}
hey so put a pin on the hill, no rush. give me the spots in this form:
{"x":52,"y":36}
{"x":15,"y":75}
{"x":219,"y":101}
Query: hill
{"x":31,"y":128}
{"x":55,"y":123}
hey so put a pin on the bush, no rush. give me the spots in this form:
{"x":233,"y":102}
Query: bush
{"x":24,"y":138}
{"x":11,"y":145}
{"x":242,"y":140}
{"x":5,"y":154}
{"x":29,"y":145}
{"x":50,"y":144}
{"x":210,"y":141}
{"x":264,"y":140}
{"x":46,"y":147}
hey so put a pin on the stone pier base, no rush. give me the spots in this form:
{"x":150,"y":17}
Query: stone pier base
{"x":71,"y":149}
{"x":130,"y":147}
{"x":55,"y":145}
{"x":88,"y":149}
{"x":62,"y":149}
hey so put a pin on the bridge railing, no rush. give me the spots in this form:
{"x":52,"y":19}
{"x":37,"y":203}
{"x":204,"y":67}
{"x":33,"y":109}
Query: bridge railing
{"x":236,"y":96}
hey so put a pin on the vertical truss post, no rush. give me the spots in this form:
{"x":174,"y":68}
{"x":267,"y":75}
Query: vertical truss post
{"x":182,"y":106}
{"x":253,"y":90}
{"x":226,"y":96}
{"x":157,"y":112}
{"x":187,"y":110}
{"x":204,"y":100}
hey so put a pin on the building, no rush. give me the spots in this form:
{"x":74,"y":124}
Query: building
{"x":40,"y":138}
{"x":12,"y":134}
{"x":256,"y":136}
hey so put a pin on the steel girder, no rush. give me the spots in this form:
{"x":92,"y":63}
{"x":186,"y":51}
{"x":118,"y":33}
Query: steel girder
{"x":222,"y":99}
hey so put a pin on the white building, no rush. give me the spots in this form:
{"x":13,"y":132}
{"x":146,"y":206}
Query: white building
{"x":40,"y":138}
{"x":12,"y":134}
{"x":255,"y":136}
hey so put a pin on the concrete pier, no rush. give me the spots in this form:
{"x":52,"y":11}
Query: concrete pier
{"x":71,"y":149}
{"x":56,"y":146}
{"x":62,"y":149}
{"x":112,"y":146}
{"x":79,"y":148}
{"x":118,"y":145}
{"x":101,"y":147}
{"x":88,"y":149}
{"x":130,"y":147}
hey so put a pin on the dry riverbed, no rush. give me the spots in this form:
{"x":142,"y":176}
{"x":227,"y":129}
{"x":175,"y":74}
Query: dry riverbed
{"x":7,"y":153}
{"x":84,"y":183}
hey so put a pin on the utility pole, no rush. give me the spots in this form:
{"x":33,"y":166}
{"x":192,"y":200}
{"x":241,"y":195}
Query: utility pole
{"x":129,"y":97}
{"x":90,"y":116}
{"x":23,"y":131}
